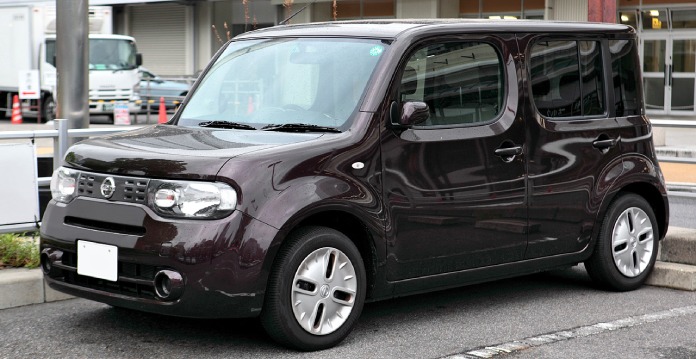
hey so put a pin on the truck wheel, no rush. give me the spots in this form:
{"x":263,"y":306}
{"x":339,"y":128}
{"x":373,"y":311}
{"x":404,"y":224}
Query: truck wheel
{"x":48,"y":109}
{"x":316,"y":290}
{"x":626,"y":248}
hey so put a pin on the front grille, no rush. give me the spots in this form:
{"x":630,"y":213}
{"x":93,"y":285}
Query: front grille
{"x":128,"y":189}
{"x":134,"y":280}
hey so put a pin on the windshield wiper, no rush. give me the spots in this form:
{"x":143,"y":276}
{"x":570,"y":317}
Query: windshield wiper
{"x":226,"y":124}
{"x":299,"y":127}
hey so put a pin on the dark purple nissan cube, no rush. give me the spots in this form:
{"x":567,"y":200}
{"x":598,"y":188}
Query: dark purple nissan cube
{"x":315,"y":167}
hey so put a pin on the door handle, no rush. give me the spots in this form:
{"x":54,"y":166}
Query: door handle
{"x":509,"y":151}
{"x":605,"y":144}
{"x":507,"y":154}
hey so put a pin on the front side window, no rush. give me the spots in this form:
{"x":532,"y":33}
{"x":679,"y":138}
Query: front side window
{"x":461,"y":82}
{"x":567,"y":78}
{"x":285,"y":81}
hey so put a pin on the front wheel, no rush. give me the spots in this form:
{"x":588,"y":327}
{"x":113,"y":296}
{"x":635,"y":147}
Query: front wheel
{"x":316,"y":290}
{"x":48,"y":109}
{"x":626,"y":249}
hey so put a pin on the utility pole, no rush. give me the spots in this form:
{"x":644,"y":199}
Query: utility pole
{"x":72,"y":56}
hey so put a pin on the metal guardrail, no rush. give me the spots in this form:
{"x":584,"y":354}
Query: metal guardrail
{"x":673,"y":123}
{"x":60,"y":137}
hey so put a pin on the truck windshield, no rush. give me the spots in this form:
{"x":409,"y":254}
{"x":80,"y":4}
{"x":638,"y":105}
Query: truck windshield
{"x":104,"y":54}
{"x":111,"y":54}
{"x":307,"y":81}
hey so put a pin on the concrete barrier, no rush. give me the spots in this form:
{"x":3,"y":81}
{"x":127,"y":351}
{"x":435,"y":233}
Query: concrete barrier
{"x":21,"y":286}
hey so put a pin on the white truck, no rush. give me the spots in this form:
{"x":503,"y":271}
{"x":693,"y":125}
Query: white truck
{"x":28,"y":41}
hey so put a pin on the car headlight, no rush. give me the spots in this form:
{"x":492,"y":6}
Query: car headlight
{"x":63,"y":184}
{"x":190,"y":199}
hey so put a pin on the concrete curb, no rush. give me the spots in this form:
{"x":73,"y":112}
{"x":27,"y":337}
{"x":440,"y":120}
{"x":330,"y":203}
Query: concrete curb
{"x":20,"y":286}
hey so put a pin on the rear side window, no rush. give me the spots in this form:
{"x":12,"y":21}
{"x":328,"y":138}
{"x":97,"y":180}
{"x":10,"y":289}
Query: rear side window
{"x":567,"y":78}
{"x":627,"y":101}
{"x":461,"y":82}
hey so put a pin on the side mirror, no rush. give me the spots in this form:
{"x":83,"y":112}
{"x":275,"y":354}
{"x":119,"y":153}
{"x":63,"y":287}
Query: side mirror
{"x":412,"y":113}
{"x":139,"y":59}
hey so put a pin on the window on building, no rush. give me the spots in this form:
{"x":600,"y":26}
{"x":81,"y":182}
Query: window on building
{"x":354,"y":9}
{"x":683,"y":19}
{"x":462,"y":82}
{"x":623,"y":69}
{"x":654,"y":19}
{"x":495,"y":9}
{"x":629,"y":17}
{"x":567,"y":78}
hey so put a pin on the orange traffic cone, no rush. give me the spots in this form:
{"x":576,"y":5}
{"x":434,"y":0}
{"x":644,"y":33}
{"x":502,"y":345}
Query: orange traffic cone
{"x":162,"y":111}
{"x":16,"y":111}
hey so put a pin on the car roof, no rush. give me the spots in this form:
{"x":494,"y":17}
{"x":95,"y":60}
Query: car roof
{"x":394,"y":28}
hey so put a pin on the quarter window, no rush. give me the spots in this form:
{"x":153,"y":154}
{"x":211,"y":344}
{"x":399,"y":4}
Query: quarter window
{"x":461,"y":82}
{"x":623,"y":68}
{"x":567,"y":78}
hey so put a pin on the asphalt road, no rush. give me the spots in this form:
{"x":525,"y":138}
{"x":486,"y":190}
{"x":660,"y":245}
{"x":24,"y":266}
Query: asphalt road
{"x":443,"y":324}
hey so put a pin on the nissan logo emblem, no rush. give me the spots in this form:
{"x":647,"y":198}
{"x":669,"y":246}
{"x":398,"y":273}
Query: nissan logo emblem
{"x":108,"y":187}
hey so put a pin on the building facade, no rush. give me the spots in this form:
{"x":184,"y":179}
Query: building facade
{"x":178,"y":38}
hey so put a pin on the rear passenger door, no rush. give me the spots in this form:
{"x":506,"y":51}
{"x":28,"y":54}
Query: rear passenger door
{"x":572,"y":137}
{"x":454,"y":185}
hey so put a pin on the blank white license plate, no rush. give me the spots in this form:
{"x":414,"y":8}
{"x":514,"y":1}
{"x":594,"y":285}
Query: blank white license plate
{"x":97,"y":260}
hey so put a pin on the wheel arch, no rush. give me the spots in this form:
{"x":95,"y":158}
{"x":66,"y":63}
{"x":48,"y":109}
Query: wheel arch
{"x":654,"y":198}
{"x":344,"y":222}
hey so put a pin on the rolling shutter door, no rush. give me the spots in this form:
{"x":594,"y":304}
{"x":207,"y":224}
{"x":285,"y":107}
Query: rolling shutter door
{"x":160,"y":33}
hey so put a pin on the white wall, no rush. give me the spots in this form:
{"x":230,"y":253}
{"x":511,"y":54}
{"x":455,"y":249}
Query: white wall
{"x":410,"y":9}
{"x":566,"y":10}
{"x":449,"y":8}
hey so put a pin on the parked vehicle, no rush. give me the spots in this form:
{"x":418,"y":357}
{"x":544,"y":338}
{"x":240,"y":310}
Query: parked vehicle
{"x":28,"y":32}
{"x":152,"y":87}
{"x":316,"y":167}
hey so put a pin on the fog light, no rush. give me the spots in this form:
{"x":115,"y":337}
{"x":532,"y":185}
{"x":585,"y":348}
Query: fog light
{"x":168,"y":284}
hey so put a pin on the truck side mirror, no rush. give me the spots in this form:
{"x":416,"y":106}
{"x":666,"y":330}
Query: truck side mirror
{"x":412,"y":113}
{"x":138,"y":59}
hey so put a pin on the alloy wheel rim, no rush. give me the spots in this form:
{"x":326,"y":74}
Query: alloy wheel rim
{"x":323,"y":291}
{"x":632,"y":242}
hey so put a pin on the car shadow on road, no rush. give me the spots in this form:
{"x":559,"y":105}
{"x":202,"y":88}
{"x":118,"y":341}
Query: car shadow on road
{"x":379,"y":320}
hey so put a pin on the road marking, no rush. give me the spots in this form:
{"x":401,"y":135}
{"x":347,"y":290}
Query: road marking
{"x":579,"y":332}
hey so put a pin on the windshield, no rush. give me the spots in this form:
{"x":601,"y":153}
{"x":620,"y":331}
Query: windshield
{"x":104,"y":54}
{"x":285,"y":81}
{"x":111,"y":54}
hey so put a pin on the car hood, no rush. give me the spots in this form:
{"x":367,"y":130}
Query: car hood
{"x":166,"y":151}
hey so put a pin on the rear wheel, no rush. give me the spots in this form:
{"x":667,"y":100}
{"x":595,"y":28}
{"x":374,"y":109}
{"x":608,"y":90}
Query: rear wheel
{"x":316,"y":290}
{"x":626,"y":249}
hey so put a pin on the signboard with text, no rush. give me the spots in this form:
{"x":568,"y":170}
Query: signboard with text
{"x":121,"y":114}
{"x":29,"y":85}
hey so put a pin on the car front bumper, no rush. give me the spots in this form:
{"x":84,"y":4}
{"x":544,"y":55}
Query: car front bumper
{"x":220,"y":261}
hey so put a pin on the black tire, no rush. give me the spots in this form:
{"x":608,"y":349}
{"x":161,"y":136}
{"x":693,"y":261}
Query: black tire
{"x":629,"y":217}
{"x":278,"y":317}
{"x":48,"y":109}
